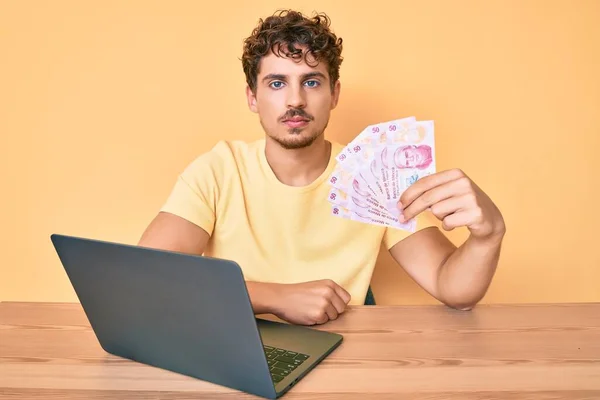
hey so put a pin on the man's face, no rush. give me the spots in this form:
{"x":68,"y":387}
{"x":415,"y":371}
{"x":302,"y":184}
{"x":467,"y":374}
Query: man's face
{"x":293,"y":100}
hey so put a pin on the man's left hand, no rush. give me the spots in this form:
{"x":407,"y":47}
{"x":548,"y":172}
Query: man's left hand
{"x":456,"y":201}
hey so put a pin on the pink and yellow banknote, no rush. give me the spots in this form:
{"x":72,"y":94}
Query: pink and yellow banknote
{"x":375,"y":168}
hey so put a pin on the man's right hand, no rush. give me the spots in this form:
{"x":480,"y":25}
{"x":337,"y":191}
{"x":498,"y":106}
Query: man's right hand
{"x":309,"y":303}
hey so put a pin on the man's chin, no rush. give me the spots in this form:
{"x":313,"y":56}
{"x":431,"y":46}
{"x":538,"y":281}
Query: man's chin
{"x":295,"y":140}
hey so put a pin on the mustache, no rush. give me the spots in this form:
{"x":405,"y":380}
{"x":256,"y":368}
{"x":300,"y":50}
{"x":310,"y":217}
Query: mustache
{"x":296,"y":112}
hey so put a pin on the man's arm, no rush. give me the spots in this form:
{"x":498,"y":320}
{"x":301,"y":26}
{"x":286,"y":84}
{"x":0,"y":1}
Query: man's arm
{"x":302,"y":303}
{"x":458,"y":277}
{"x":171,"y":232}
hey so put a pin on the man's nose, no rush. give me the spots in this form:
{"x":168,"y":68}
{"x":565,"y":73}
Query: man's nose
{"x":296,"y":97}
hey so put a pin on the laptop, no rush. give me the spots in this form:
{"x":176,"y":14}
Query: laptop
{"x":187,"y":314}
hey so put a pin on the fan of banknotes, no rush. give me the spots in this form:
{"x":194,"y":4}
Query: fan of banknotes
{"x":376,"y":167}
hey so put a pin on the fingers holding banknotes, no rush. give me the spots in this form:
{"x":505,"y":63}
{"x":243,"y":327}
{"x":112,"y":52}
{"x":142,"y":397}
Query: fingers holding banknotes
{"x":455,"y":200}
{"x":311,"y":303}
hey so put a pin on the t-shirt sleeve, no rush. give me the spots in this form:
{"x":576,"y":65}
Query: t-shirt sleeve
{"x":195,"y":194}
{"x":393,"y":235}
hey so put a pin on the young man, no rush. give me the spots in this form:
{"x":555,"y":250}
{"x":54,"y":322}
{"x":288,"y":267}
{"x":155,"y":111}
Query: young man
{"x":264,"y":204}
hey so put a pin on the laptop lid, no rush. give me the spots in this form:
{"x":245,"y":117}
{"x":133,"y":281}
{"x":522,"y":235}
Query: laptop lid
{"x":184,"y":313}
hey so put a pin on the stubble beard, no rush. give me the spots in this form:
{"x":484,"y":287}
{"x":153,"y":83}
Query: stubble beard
{"x":295,"y":143}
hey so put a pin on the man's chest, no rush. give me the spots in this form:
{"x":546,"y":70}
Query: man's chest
{"x":293,"y":222}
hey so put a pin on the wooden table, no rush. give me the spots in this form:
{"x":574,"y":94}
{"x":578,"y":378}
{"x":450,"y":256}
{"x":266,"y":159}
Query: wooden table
{"x":48,"y":351}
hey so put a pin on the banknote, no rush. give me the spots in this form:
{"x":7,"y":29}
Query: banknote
{"x":376,"y":167}
{"x":371,"y":139}
{"x":346,"y":213}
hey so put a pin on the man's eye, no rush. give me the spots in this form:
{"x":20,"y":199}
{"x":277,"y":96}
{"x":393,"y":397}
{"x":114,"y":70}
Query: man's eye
{"x":276,"y":84}
{"x":312,"y":83}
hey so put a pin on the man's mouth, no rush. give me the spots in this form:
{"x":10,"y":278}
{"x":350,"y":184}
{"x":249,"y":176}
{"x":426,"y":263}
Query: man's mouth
{"x":296,"y":122}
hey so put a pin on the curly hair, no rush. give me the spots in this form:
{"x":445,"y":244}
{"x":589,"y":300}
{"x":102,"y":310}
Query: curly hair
{"x":282,"y":32}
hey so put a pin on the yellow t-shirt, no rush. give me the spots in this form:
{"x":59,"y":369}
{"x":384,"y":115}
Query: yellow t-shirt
{"x":275,"y":232}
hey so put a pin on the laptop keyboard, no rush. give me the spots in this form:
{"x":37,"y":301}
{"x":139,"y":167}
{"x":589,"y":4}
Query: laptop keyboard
{"x":282,"y":362}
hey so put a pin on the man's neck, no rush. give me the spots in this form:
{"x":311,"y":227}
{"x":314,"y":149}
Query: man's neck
{"x":298,"y":167}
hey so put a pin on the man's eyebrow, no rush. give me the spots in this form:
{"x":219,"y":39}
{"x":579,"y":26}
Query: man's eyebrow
{"x":282,"y":77}
{"x":315,"y":74}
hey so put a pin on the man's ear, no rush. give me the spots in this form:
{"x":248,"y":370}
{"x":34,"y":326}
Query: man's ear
{"x":335,"y":95}
{"x":251,"y":97}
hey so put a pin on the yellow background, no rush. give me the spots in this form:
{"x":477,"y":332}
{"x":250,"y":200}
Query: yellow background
{"x":103,"y":103}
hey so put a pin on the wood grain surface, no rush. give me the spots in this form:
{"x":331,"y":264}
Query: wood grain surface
{"x":48,"y":351}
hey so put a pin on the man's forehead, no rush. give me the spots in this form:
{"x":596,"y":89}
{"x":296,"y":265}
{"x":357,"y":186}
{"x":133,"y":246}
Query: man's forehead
{"x":287,"y":65}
